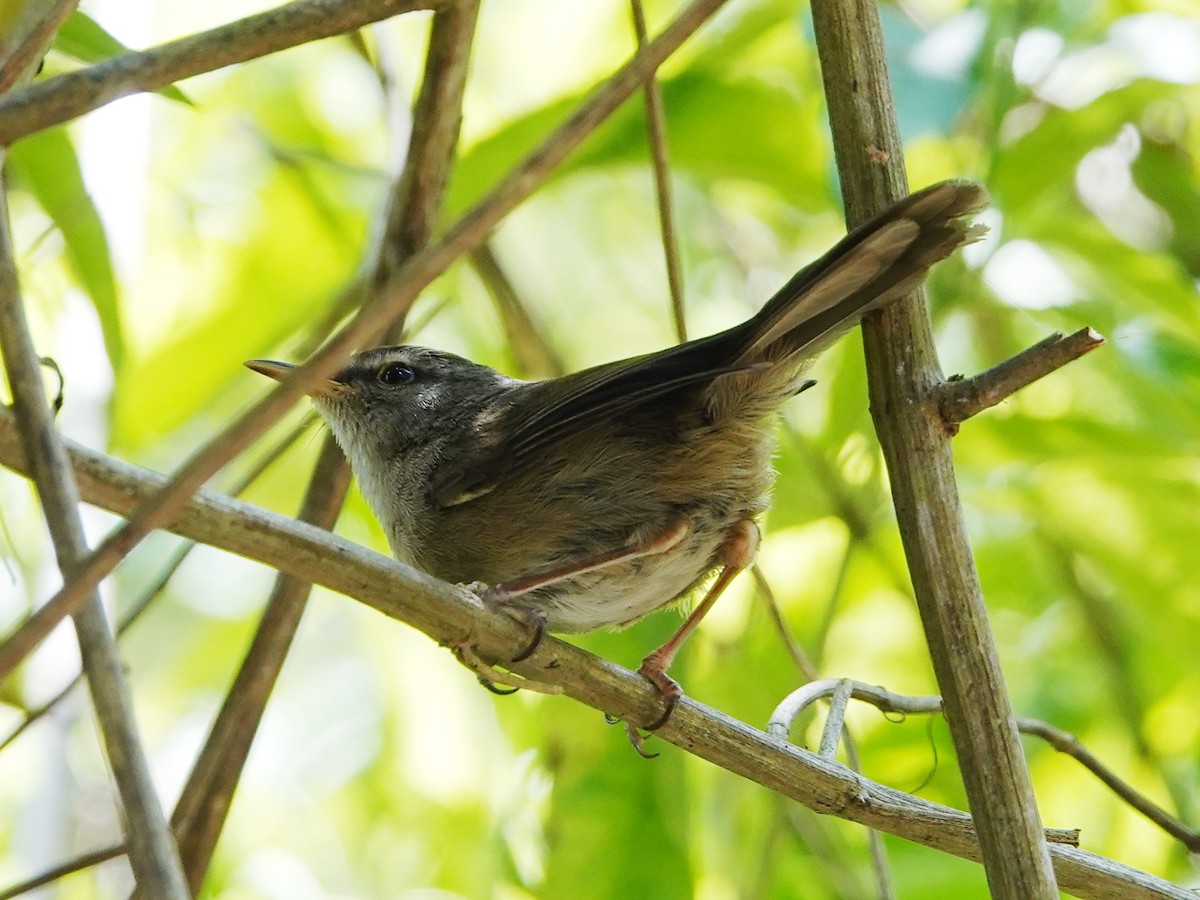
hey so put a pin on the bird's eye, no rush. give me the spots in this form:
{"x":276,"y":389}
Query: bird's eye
{"x":396,"y":373}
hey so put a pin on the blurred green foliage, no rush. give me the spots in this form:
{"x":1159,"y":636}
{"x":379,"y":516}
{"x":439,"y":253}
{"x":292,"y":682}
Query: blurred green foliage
{"x":234,"y":226}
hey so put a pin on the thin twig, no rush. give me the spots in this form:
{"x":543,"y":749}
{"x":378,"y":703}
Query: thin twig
{"x":833,"y":601}
{"x":1064,"y":742}
{"x":534,"y":355}
{"x":451,"y":615}
{"x":879,"y":862}
{"x":153,"y":855}
{"x":1111,"y":633}
{"x":959,"y":399}
{"x":656,"y":129}
{"x":70,"y":867}
{"x":469,"y":232}
{"x":795,"y":651}
{"x":32,"y":45}
{"x":64,"y":97}
{"x":127,"y":620}
{"x":832,"y":735}
{"x":780,"y":723}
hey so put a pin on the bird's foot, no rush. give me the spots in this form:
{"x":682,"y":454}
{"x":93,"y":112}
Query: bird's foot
{"x":653,"y":670}
{"x":487,"y":673}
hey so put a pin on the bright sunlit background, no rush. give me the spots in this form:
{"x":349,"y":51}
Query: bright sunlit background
{"x":205,"y":234}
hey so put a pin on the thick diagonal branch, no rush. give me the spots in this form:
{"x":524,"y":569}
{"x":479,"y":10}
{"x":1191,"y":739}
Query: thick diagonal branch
{"x":451,"y":615}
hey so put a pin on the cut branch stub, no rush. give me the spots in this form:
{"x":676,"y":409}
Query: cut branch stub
{"x":959,"y":399}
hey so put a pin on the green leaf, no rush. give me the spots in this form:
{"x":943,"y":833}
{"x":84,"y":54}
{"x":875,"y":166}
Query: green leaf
{"x":789,"y":154}
{"x":46,"y":164}
{"x":1164,"y":172}
{"x":280,"y":276}
{"x":595,"y":840}
{"x":83,"y":38}
{"x":1054,"y":148}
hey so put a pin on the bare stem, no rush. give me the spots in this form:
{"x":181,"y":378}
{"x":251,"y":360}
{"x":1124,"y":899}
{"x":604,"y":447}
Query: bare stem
{"x":1065,"y":742}
{"x":959,"y":399}
{"x":656,"y":128}
{"x":64,"y":97}
{"x":903,"y":370}
{"x":152,"y":853}
{"x":832,"y":735}
{"x":70,"y":867}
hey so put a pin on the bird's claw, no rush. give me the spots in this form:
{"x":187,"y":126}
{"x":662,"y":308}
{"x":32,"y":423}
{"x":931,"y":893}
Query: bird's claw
{"x":488,"y":674}
{"x":670,"y":691}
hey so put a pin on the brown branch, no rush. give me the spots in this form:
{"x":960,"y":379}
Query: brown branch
{"x":902,"y":370}
{"x":959,"y":399}
{"x":130,"y":617}
{"x":1064,"y":742}
{"x":451,"y":615}
{"x":534,"y":355}
{"x":31,"y":46}
{"x":153,"y":855}
{"x":468,"y":233}
{"x":413,"y":205}
{"x":67,"y":96}
{"x":656,"y":129}
{"x":70,"y":867}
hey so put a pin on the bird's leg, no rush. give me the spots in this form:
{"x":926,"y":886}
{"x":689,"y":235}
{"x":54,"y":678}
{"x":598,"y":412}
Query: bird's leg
{"x":736,"y":553}
{"x":499,"y":595}
{"x":660,"y":543}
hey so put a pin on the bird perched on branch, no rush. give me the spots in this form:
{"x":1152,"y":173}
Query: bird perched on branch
{"x":591,"y":500}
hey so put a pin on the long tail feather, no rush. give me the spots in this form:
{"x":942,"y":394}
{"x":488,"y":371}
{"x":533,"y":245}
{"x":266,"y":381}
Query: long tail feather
{"x":877,"y":262}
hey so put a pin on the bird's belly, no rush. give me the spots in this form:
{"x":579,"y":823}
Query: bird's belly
{"x":625,"y":592}
{"x":583,"y":505}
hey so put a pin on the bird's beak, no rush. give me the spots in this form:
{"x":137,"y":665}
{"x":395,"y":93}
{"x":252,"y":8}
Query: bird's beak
{"x":280,"y":370}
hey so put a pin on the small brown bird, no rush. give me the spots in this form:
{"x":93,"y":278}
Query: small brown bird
{"x":594,"y":499}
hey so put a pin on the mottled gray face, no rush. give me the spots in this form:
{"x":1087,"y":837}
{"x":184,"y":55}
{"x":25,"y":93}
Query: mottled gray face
{"x":391,"y":401}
